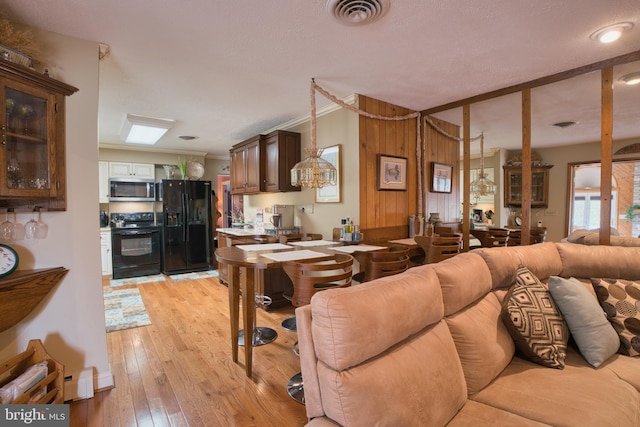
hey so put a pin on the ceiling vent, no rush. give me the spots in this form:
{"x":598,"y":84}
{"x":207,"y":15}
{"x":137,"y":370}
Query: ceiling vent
{"x":357,"y":12}
{"x":565,"y":124}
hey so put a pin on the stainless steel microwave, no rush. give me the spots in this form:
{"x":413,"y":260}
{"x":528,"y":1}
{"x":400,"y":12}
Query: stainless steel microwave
{"x":132,"y":190}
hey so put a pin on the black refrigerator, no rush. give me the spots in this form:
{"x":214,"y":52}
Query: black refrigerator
{"x":186,"y":222}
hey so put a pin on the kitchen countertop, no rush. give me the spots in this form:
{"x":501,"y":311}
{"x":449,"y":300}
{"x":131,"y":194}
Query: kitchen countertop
{"x":238,"y":231}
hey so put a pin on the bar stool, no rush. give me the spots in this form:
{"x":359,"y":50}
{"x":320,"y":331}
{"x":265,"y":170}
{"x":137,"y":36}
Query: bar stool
{"x":536,"y":235}
{"x":439,"y":247}
{"x":375,"y":264}
{"x":492,"y":237}
{"x":309,"y":277}
{"x":261,"y":334}
{"x":290,"y":323}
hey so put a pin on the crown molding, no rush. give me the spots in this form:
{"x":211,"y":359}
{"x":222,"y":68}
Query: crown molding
{"x":153,"y":149}
{"x":329,"y":108}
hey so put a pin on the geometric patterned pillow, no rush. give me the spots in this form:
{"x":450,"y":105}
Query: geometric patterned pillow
{"x":534,"y":321}
{"x":620,"y":300}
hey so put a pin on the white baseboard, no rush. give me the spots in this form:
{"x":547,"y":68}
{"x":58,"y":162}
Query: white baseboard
{"x":104,"y":380}
{"x":78,"y":386}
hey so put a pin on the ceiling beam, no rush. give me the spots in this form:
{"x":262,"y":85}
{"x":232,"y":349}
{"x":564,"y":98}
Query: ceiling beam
{"x":596,"y":66}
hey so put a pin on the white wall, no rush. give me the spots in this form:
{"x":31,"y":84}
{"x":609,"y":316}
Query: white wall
{"x":70,"y":321}
{"x":339,"y":127}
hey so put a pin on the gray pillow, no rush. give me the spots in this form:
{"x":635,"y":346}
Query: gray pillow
{"x":587,"y":322}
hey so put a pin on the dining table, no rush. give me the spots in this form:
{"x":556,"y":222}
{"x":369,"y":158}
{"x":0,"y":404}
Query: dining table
{"x":253,"y":260}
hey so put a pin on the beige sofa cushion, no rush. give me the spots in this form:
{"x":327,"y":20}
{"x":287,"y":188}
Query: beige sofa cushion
{"x":483,"y":343}
{"x":625,"y":367}
{"x":464,"y":279}
{"x":475,"y":414}
{"x":419,"y":383}
{"x":599,"y":261}
{"x":578,"y":395}
{"x":594,"y":239}
{"x":352,"y":325}
{"x":542,"y":259}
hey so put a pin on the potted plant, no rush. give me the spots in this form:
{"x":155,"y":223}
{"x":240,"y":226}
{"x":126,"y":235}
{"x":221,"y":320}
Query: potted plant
{"x":633,"y":213}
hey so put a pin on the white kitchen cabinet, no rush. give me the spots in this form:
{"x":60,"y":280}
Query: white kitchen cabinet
{"x":103,"y":168}
{"x":132,"y":170}
{"x":105,"y":252}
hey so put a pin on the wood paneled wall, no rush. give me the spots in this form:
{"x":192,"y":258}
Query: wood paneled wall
{"x":441,"y":149}
{"x":391,"y":137}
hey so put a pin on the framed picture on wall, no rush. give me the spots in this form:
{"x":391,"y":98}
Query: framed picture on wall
{"x":441,"y":174}
{"x":392,"y":173}
{"x":330,"y":193}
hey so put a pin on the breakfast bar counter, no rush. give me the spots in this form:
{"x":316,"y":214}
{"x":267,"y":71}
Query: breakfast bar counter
{"x":253,"y":262}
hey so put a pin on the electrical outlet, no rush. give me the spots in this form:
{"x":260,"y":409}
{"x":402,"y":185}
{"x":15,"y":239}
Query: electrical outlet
{"x":308,"y":209}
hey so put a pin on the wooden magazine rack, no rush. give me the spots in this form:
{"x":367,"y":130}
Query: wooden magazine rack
{"x":53,"y":383}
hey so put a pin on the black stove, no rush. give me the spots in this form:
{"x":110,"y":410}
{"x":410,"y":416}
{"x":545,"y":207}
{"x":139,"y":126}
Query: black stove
{"x":135,"y":241}
{"x":133,"y":220}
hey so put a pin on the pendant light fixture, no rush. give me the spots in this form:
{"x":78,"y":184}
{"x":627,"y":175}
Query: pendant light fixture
{"x":314,"y":171}
{"x":482,"y":186}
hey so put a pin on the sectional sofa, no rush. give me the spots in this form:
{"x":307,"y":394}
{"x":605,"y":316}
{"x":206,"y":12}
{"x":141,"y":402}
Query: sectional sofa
{"x":435,"y":345}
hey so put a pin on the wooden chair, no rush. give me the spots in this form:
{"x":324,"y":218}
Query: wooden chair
{"x":439,"y":247}
{"x":284,"y":238}
{"x":250,"y":240}
{"x":310,"y":276}
{"x":375,"y":264}
{"x":443,"y":230}
{"x":536,"y":235}
{"x":492,"y":237}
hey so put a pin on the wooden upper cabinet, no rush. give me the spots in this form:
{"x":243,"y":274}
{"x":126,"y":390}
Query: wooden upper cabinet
{"x":263,"y":163}
{"x":245,"y":166}
{"x":282,"y":152}
{"x":539,"y":186}
{"x":32,"y":154}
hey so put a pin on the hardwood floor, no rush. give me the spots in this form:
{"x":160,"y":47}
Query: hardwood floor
{"x":178,"y":370}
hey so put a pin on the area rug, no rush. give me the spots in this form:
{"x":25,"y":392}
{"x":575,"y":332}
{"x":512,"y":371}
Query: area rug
{"x":124,"y":309}
{"x":195,"y":275}
{"x":136,"y":280}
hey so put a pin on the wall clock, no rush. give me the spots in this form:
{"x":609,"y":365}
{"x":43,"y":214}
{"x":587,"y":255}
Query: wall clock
{"x":8,"y":260}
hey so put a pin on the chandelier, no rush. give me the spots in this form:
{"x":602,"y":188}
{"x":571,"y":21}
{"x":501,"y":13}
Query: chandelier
{"x":482,"y":186}
{"x":313,"y":171}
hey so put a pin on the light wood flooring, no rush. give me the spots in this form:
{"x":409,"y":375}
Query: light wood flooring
{"x":178,"y":371}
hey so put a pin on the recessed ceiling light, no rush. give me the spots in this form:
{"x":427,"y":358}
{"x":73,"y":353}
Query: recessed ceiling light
{"x":630,"y":79}
{"x":565,"y":124}
{"x":611,"y":33}
{"x":188,"y":137}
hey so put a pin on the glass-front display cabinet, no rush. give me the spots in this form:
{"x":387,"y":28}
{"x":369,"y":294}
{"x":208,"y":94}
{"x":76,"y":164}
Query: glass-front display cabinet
{"x":33,"y":139}
{"x":539,"y":186}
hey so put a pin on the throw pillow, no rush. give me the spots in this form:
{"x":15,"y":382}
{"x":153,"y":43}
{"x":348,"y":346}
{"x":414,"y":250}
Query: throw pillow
{"x":534,"y":321}
{"x":596,"y":339}
{"x":620,"y":300}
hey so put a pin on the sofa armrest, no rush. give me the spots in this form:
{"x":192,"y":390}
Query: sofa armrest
{"x":308,"y":363}
{"x":322,"y":422}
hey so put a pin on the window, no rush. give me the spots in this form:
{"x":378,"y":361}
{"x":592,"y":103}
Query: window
{"x":586,"y":211}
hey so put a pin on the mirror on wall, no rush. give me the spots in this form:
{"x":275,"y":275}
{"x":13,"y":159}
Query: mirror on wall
{"x":584,"y":199}
{"x":566,"y":122}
